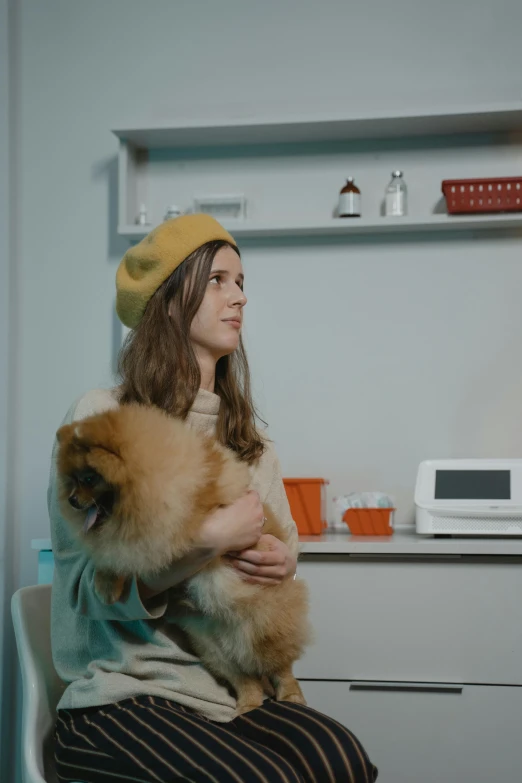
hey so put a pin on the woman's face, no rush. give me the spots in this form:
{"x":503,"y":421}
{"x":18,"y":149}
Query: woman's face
{"x":217,"y":325}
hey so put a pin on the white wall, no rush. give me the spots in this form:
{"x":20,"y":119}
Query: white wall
{"x":425,"y":366}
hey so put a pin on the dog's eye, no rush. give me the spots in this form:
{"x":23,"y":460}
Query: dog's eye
{"x":88,"y":479}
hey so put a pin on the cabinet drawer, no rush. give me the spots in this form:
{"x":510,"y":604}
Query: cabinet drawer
{"x":428,"y":733}
{"x":457,"y":621}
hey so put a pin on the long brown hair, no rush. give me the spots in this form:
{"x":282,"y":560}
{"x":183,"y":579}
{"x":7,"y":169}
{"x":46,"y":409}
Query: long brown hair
{"x":157,"y":364}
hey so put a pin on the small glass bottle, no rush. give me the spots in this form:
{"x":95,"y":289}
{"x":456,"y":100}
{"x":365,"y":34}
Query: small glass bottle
{"x":396,"y":196}
{"x":142,"y":219}
{"x":350,"y":200}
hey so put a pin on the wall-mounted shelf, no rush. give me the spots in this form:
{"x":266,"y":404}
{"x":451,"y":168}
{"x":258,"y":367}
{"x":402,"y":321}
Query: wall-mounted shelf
{"x":247,"y":229}
{"x":483,"y":119}
{"x":290,"y":189}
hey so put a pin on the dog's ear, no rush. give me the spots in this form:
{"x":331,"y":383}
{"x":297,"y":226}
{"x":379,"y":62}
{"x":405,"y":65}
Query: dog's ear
{"x":86,"y":437}
{"x":96,"y":433}
{"x":98,"y":438}
{"x":64,"y":433}
{"x":95,"y":441}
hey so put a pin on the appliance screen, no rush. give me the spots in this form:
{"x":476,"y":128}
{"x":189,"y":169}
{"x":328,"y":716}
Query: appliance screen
{"x":472,"y":485}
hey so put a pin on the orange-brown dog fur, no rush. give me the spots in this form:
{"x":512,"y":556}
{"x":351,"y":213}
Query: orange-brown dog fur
{"x":165,"y":479}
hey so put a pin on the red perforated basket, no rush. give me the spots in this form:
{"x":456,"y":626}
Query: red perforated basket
{"x":498,"y":194}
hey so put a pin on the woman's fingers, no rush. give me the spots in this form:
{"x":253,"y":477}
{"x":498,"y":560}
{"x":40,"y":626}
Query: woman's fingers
{"x":277,"y":571}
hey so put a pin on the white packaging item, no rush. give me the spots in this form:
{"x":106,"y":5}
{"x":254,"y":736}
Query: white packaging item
{"x":363,"y":500}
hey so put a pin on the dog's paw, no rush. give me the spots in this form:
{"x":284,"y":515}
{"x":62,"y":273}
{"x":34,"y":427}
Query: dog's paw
{"x":250,"y":694}
{"x":288,"y":689}
{"x":109,"y":587}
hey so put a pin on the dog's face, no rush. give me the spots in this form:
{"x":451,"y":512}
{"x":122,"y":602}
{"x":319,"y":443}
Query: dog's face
{"x":91,"y":495}
{"x":89,"y":475}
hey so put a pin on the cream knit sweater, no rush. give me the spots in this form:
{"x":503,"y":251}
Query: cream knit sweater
{"x":108,"y":653}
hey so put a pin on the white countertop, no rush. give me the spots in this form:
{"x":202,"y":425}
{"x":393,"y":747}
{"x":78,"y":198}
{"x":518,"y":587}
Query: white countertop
{"x":404,"y":541}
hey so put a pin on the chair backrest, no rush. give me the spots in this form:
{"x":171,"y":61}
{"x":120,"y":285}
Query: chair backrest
{"x":42,"y":688}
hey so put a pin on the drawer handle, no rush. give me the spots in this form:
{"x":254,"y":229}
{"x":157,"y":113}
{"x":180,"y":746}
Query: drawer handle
{"x":405,"y":687}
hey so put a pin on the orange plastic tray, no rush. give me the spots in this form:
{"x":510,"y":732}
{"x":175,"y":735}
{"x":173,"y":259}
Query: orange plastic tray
{"x":369,"y":521}
{"x":306,"y":499}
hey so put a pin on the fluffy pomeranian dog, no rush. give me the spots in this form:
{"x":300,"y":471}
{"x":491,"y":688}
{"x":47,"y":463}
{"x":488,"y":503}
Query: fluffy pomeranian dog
{"x":136,"y":484}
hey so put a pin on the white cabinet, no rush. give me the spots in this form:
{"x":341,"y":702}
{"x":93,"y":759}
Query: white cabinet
{"x":420,"y":655}
{"x":430,"y":734}
{"x":443,"y":620}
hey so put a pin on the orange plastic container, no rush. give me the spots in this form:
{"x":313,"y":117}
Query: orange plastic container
{"x":306,"y":497}
{"x":369,"y":521}
{"x":495,"y":194}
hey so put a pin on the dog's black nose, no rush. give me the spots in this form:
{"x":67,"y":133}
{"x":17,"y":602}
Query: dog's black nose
{"x":73,"y":500}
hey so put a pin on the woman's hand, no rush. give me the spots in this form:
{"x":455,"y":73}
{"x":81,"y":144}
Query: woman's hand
{"x":235,"y":527}
{"x":268,"y":567}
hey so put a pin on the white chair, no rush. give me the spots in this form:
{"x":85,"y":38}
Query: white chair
{"x":42,"y":688}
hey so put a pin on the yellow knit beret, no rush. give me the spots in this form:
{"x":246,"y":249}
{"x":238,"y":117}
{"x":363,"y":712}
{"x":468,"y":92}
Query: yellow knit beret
{"x":147,"y":265}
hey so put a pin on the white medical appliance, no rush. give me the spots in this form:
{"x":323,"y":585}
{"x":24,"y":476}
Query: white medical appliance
{"x":469,"y":497}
